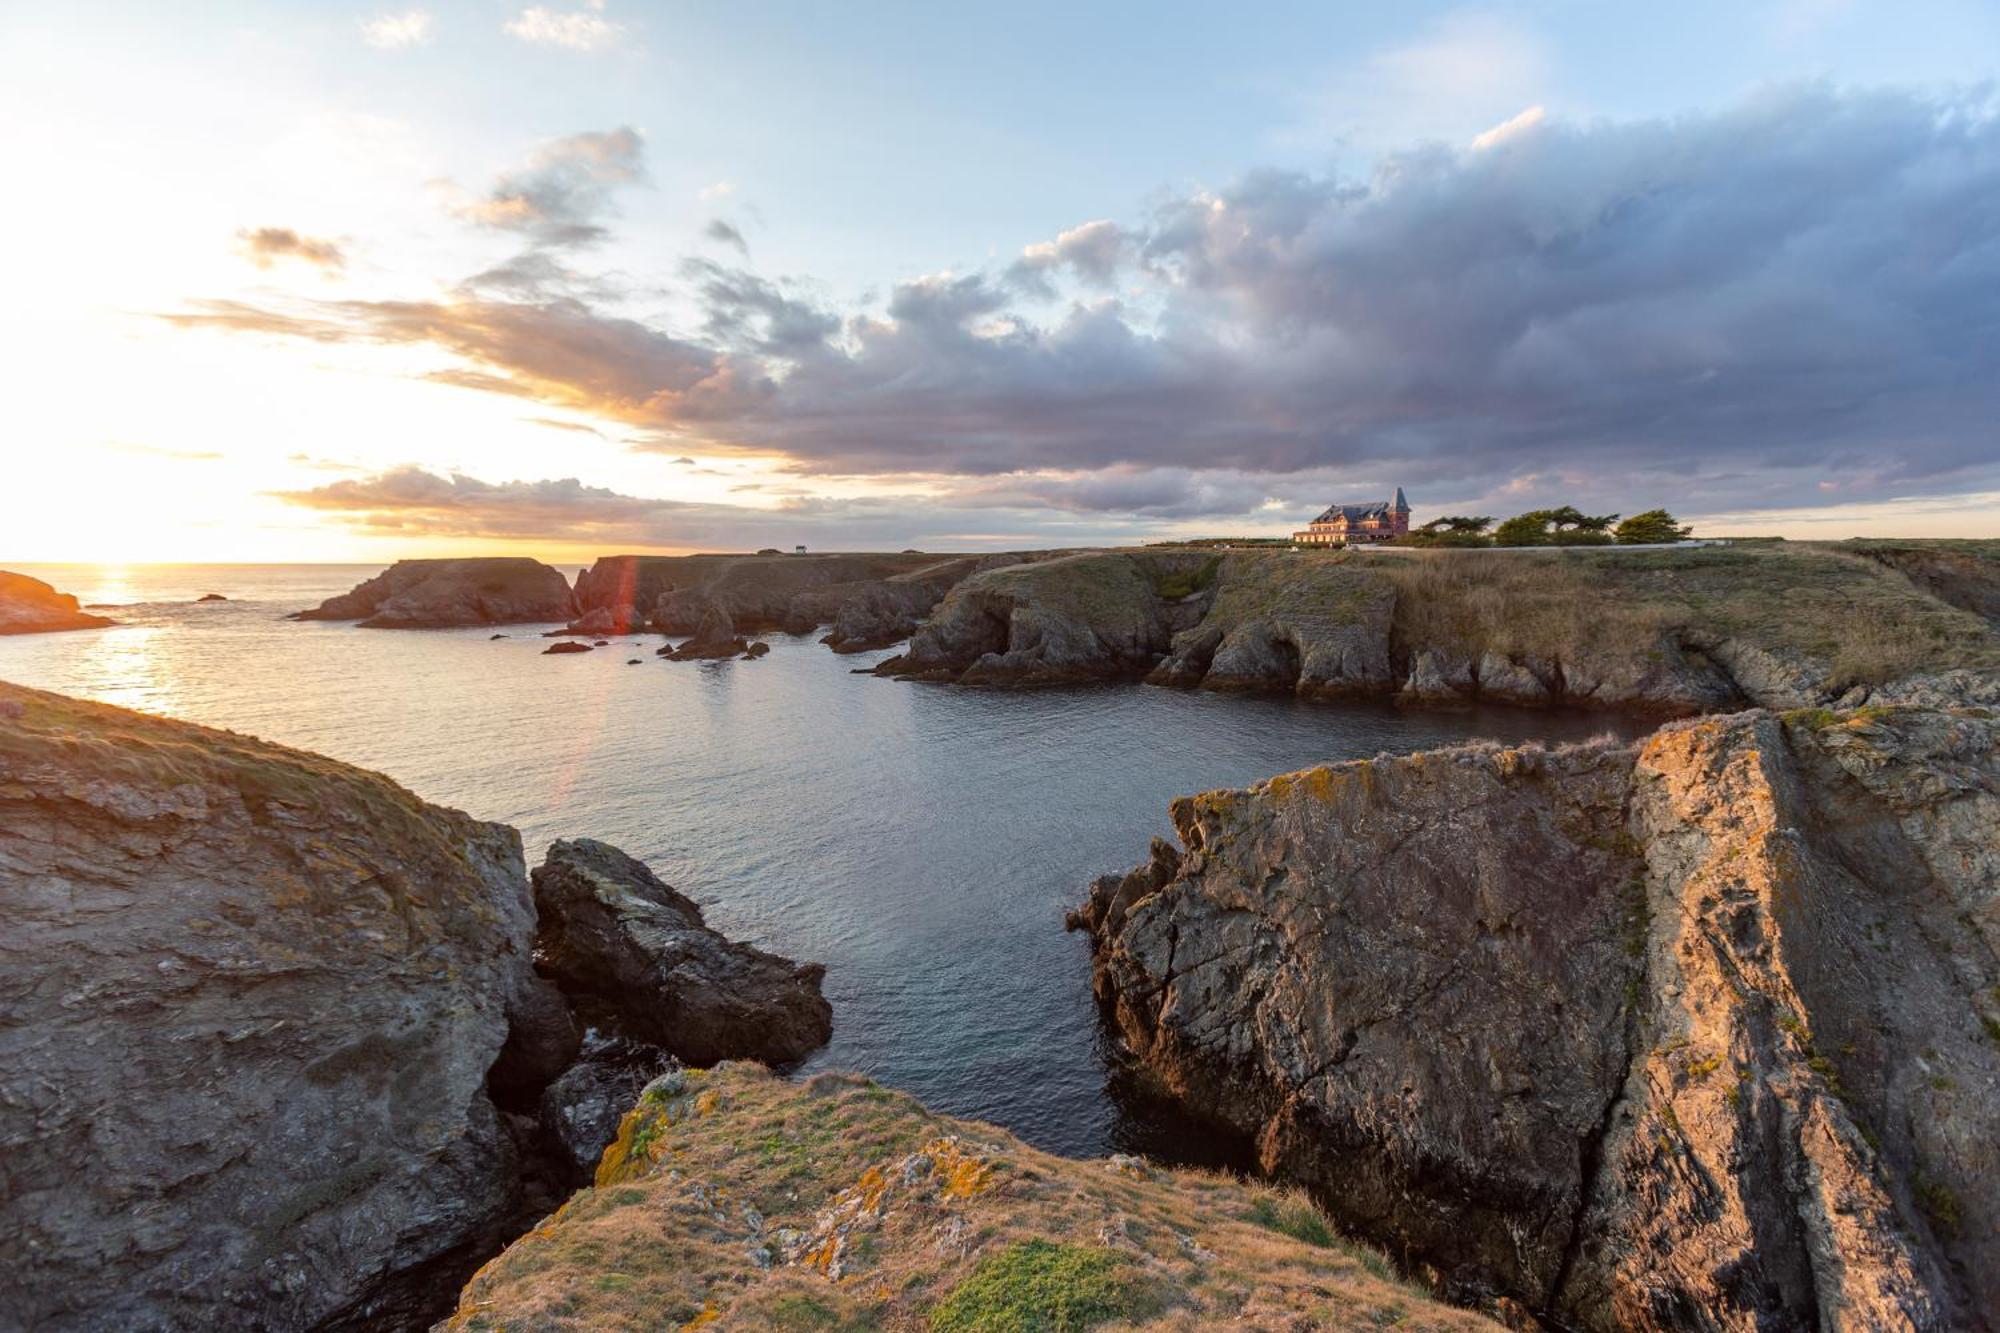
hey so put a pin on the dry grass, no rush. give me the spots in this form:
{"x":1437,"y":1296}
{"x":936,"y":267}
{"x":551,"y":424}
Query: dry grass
{"x":1853,"y":619}
{"x":736,"y":1200}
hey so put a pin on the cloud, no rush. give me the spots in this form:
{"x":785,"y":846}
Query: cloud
{"x":1093,"y":251}
{"x":552,"y":423}
{"x":1511,"y":128}
{"x":265,"y":246}
{"x":726,"y":234}
{"x":1715,"y":312}
{"x":161,"y":451}
{"x":557,"y":199}
{"x":584,"y":29}
{"x":395,"y":32}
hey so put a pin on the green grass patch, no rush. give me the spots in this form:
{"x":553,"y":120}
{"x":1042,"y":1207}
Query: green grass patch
{"x":1040,"y":1287}
{"x":1295,"y":1218}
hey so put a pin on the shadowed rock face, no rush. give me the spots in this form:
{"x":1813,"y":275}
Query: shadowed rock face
{"x":1688,"y":1034}
{"x":610,"y":929}
{"x":1650,"y":633}
{"x":248,"y":1002}
{"x":30,"y":606}
{"x":439,"y":594}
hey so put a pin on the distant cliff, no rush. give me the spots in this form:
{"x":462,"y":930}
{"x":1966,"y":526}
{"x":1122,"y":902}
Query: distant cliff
{"x":1698,"y":1033}
{"x":1665,"y":633}
{"x":30,"y":606}
{"x":733,"y":1200}
{"x":439,"y":594}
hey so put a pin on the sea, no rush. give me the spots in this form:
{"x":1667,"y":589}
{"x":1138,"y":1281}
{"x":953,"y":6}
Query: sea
{"x":922,"y":841}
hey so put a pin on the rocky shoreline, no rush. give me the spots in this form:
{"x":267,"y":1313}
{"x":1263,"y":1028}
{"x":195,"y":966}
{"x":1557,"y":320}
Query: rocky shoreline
{"x":280,"y":1052}
{"x":30,"y":606}
{"x":1698,"y":1032}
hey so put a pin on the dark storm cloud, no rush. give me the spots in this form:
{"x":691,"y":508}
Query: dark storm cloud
{"x":1788,"y":299}
{"x":265,"y":246}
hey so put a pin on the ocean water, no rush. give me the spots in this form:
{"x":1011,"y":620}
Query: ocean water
{"x":921,"y":841}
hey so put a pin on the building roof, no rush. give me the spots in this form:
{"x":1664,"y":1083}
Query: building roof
{"x":1354,"y":513}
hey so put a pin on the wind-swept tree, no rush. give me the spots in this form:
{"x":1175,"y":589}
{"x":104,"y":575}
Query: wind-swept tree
{"x":1653,"y":526}
{"x":1567,"y":526}
{"x":1451,"y":530}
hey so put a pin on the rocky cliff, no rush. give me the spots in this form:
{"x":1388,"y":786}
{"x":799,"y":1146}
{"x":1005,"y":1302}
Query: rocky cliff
{"x":871,"y":600}
{"x":30,"y":606}
{"x":276,"y":1054}
{"x":1698,"y":1033}
{"x":248,"y":1001}
{"x":733,"y":1200}
{"x":439,"y":594}
{"x":1964,"y":574}
{"x":1667,"y":633}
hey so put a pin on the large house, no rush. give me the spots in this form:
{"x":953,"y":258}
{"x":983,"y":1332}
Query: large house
{"x":1344,"y":524}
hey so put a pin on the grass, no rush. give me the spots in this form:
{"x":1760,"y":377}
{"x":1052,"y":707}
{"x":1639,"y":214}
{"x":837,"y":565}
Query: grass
{"x":1035,"y":1286}
{"x":873,"y":1213}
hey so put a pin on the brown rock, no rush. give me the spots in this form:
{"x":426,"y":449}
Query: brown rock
{"x":435,"y":594}
{"x":30,"y":606}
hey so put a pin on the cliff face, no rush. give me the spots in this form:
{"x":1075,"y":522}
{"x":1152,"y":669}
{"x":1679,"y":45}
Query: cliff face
{"x":30,"y":606}
{"x":248,"y":1001}
{"x":1665,"y":633}
{"x":1697,"y":1033}
{"x":759,"y":593}
{"x":275,"y":1053}
{"x":734,"y":1200}
{"x":1965,"y":574}
{"x":439,"y":594}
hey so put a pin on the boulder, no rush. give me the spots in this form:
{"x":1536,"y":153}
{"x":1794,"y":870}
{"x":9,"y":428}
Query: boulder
{"x":249,"y":998}
{"x":30,"y":606}
{"x":1689,"y":1033}
{"x":582,"y":1108}
{"x":565,"y":647}
{"x":714,"y":637}
{"x":756,"y":650}
{"x":211,"y":597}
{"x":435,"y":594}
{"x":610,"y":929}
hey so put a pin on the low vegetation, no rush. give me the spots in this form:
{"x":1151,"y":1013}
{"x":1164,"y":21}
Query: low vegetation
{"x":733,"y":1199}
{"x":1564,"y":526}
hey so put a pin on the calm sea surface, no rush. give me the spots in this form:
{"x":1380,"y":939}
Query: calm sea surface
{"x":921,"y":841}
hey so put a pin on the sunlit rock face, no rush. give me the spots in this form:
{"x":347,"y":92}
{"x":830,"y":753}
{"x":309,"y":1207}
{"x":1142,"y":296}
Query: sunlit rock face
{"x":439,"y":594}
{"x":1695,"y":1033}
{"x":30,"y":606}
{"x":249,"y":999}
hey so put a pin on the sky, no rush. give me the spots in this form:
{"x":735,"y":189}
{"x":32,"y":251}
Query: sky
{"x":354,"y":282}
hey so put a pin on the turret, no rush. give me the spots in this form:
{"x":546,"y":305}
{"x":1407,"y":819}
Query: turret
{"x":1400,"y":505}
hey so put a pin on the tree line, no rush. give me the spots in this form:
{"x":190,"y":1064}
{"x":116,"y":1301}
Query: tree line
{"x":1567,"y":526}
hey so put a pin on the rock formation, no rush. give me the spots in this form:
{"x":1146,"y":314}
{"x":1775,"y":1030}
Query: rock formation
{"x":250,"y":1000}
{"x":30,"y":606}
{"x":276,"y":1054}
{"x":438,"y":594}
{"x":610,"y":929}
{"x":1701,"y":1032}
{"x":1667,"y":634}
{"x":714,"y":636}
{"x":734,"y":1200}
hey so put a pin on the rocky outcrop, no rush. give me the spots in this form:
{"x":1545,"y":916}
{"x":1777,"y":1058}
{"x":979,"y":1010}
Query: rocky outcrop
{"x":734,"y":1200}
{"x":249,"y":999}
{"x":714,"y":637}
{"x":794,"y":593}
{"x":30,"y":606}
{"x":438,"y":594}
{"x":276,"y":1055}
{"x":1659,"y":633}
{"x":611,"y":930}
{"x":1965,"y":574}
{"x":1697,"y":1033}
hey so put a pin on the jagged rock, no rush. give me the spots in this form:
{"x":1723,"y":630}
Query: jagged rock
{"x":714,"y":638}
{"x":582,"y":1108}
{"x":211,"y":597}
{"x":249,"y":998}
{"x":30,"y":606}
{"x":609,"y":928}
{"x":1692,"y":1033}
{"x":542,"y":1041}
{"x":1438,"y":677}
{"x":436,"y":594}
{"x":565,"y":647}
{"x":1509,"y":681}
{"x":756,"y":650}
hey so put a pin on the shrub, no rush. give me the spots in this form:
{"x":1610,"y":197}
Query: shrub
{"x":1653,"y":526}
{"x":1567,"y":526}
{"x":1037,"y":1286}
{"x":1295,"y":1218}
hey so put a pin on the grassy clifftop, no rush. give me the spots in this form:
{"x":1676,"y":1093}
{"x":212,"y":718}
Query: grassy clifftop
{"x":732,"y":1199}
{"x":1673,"y":631}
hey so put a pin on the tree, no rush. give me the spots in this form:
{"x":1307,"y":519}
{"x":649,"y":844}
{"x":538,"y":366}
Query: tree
{"x":1655,"y":525}
{"x":1452,"y":530}
{"x":1567,"y":526}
